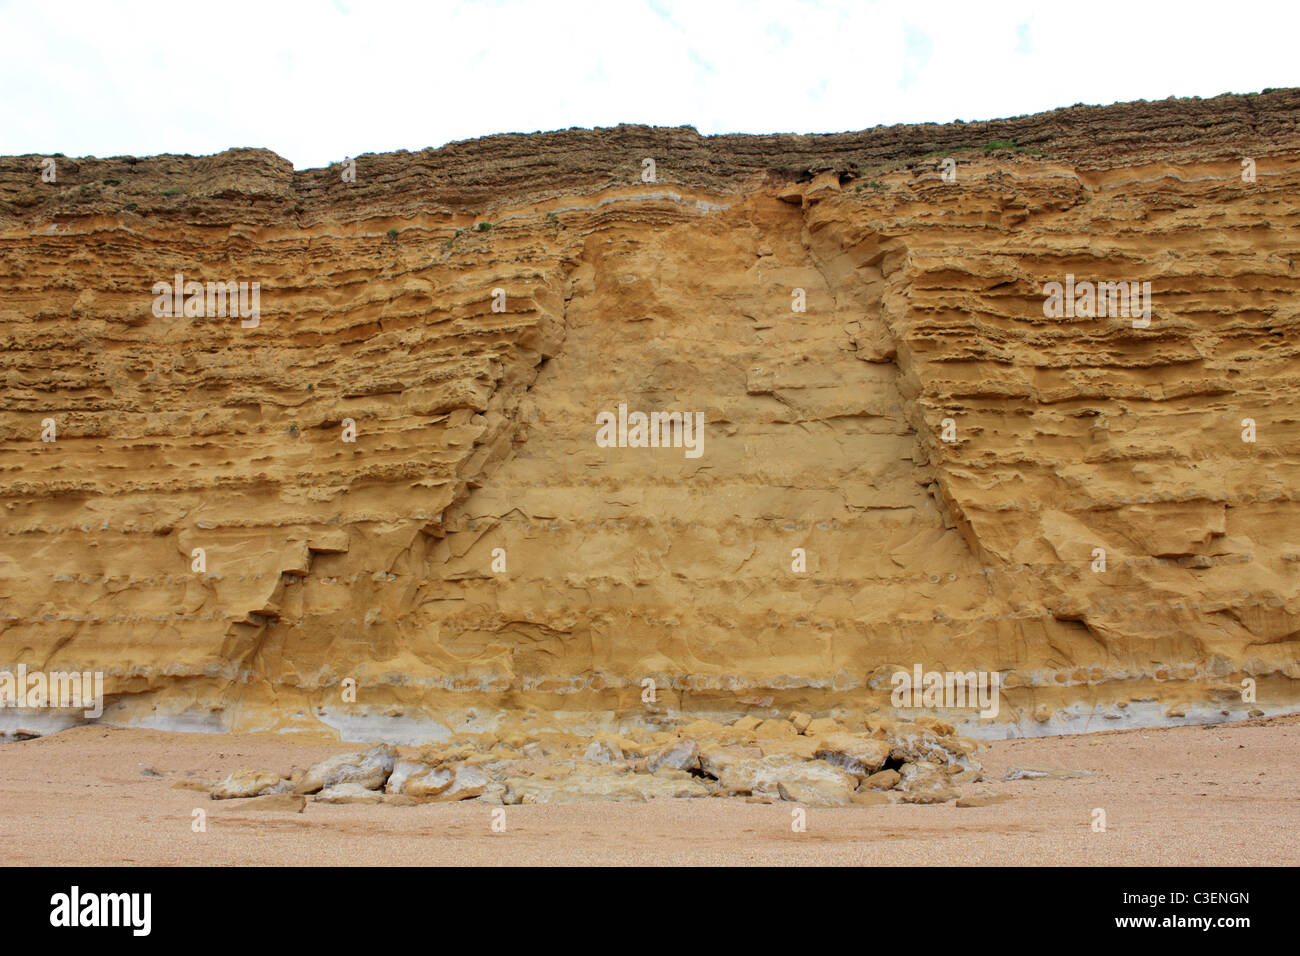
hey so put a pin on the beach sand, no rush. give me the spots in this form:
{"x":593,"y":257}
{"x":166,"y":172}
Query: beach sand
{"x":1222,"y":795}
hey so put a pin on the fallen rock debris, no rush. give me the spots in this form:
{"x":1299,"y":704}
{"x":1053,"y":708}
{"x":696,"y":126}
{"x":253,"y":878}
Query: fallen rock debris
{"x":819,"y":763}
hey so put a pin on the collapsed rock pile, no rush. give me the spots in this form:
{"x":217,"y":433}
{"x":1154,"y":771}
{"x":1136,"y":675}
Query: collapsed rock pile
{"x":813,"y":762}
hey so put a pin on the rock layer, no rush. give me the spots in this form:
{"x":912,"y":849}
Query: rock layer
{"x":473,"y":309}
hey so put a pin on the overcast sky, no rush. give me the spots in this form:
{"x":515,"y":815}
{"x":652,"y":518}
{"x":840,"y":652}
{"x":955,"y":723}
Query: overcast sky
{"x":319,"y":81}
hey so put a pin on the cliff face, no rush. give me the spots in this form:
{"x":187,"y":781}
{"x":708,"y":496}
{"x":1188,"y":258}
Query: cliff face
{"x":473,"y":361}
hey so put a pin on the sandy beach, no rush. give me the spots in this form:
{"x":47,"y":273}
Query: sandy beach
{"x":1221,"y":795}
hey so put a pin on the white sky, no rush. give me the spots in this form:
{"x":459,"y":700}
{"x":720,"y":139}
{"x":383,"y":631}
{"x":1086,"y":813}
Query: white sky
{"x":318,"y":81}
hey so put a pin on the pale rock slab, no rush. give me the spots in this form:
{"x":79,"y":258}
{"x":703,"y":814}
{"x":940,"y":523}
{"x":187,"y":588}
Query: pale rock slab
{"x":349,"y":793}
{"x":813,"y":782}
{"x":860,"y":756}
{"x":925,"y":783}
{"x":680,"y":754}
{"x":249,"y":783}
{"x":370,"y":769}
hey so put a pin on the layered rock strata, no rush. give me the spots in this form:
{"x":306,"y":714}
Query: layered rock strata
{"x":920,"y":468}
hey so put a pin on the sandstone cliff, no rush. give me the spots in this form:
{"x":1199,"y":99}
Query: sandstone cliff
{"x":475,"y":427}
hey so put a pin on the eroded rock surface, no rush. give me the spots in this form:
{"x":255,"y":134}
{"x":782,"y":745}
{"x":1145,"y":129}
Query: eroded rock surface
{"x":474,"y":552}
